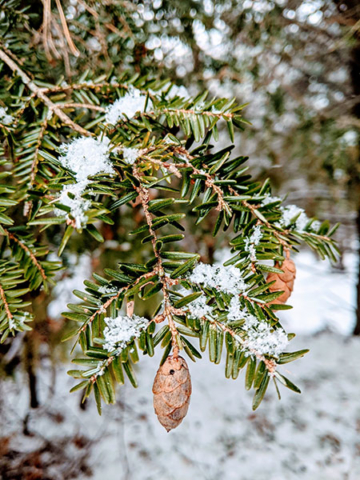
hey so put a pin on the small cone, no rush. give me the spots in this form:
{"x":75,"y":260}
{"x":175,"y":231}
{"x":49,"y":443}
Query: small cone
{"x":284,"y":282}
{"x":172,"y":390}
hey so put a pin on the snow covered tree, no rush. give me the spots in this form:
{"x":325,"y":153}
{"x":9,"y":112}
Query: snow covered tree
{"x":94,"y":138}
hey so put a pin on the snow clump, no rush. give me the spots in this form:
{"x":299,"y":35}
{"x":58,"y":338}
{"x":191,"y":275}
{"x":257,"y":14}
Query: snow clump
{"x":127,"y":106}
{"x":291,"y":211}
{"x":253,"y":241}
{"x":130,"y":155}
{"x":121,"y":330}
{"x":5,"y":118}
{"x":228,"y":279}
{"x":85,"y":157}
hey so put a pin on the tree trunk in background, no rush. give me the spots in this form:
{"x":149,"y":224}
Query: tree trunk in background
{"x":357,"y":325}
{"x":355,"y":78}
{"x":350,"y":15}
{"x":30,"y":368}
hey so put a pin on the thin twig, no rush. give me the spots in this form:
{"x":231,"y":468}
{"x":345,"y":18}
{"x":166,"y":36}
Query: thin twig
{"x":69,"y":40}
{"x":46,"y":27}
{"x":81,"y":105}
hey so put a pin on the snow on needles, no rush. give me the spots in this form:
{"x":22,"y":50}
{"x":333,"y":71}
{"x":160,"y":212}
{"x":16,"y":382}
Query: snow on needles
{"x":253,"y":241}
{"x":130,"y":155}
{"x":260,"y":337}
{"x":289,"y":213}
{"x":228,"y":279}
{"x":5,"y":118}
{"x":84,"y":157}
{"x":127,"y":106}
{"x":198,"y":307}
{"x":178,"y":91}
{"x":256,"y":336}
{"x":121,"y":330}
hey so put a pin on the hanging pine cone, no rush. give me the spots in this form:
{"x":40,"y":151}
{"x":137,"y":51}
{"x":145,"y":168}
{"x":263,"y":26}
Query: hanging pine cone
{"x":172,"y":390}
{"x":283,"y":281}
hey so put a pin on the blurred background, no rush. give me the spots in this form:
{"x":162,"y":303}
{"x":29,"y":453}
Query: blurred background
{"x":297,"y":64}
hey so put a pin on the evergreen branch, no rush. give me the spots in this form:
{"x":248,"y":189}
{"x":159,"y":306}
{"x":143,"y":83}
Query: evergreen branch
{"x":34,"y":165}
{"x":26,"y":249}
{"x":168,"y":308}
{"x":107,"y":304}
{"x":222,"y":205}
{"x":41,"y":95}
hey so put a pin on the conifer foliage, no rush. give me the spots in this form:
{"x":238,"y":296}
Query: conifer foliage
{"x":88,"y":151}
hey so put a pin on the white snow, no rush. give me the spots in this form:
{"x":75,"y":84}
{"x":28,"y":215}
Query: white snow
{"x":78,"y":270}
{"x":289,"y":213}
{"x":178,"y":91}
{"x":323,"y":298}
{"x":198,"y":307}
{"x":270,"y":199}
{"x":253,"y":241}
{"x":127,"y":106}
{"x":130,"y":155}
{"x":259,"y":336}
{"x":78,"y":205}
{"x":5,"y":118}
{"x":265,"y":340}
{"x":121,"y":330}
{"x":228,"y":279}
{"x":302,"y":437}
{"x":85,"y":157}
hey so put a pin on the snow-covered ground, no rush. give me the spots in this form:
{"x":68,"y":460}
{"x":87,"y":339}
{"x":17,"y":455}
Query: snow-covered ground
{"x":313,"y":436}
{"x":323,"y":296}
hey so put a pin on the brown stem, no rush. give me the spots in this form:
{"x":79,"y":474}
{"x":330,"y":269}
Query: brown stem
{"x":209,"y":179}
{"x":168,"y":309}
{"x":84,"y":86}
{"x":82,"y":105}
{"x":194,"y":112}
{"x":6,"y":305}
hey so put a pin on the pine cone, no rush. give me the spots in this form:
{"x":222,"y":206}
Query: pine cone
{"x":172,"y":390}
{"x":283,"y":281}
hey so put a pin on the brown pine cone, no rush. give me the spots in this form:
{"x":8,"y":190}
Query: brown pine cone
{"x":172,"y":390}
{"x":283,"y":281}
